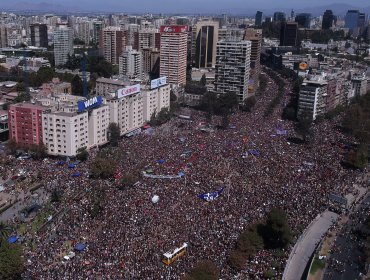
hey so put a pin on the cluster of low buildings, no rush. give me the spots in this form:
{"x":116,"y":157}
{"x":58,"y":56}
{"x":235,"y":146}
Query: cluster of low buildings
{"x":64,"y":123}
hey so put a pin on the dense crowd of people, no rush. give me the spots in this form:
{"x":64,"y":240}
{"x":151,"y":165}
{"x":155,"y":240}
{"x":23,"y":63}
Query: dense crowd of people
{"x":259,"y":168}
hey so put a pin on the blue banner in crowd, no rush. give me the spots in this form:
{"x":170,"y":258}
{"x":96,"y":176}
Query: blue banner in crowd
{"x":211,"y":195}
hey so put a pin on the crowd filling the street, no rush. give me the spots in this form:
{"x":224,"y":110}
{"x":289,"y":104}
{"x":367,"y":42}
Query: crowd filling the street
{"x":126,"y":233}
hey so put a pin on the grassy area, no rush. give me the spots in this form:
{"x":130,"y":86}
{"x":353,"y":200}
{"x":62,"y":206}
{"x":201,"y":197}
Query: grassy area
{"x":39,"y":220}
{"x":317,"y":265}
{"x":22,"y":229}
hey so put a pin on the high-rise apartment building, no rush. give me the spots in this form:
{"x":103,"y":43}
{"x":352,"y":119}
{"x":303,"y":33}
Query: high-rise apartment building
{"x":83,"y":32}
{"x":204,"y":44}
{"x":148,"y":38}
{"x":303,"y":20}
{"x":39,"y":35}
{"x":63,"y":44}
{"x":311,"y":97}
{"x":25,"y":124}
{"x":359,"y":85}
{"x":233,"y":67}
{"x":130,"y":63}
{"x":279,"y":16}
{"x":352,"y":19}
{"x":132,"y":36}
{"x":226,"y":33}
{"x":150,"y":59}
{"x":97,"y":28}
{"x":255,"y":37}
{"x":288,"y":34}
{"x":173,"y":53}
{"x":3,"y":36}
{"x":111,"y":43}
{"x":258,"y":19}
{"x":327,"y":19}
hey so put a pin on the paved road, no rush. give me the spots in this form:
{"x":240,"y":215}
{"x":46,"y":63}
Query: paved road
{"x":305,"y":246}
{"x":347,"y":260}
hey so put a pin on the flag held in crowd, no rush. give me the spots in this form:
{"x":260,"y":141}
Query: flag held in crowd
{"x":281,"y":132}
{"x":211,"y":195}
{"x":254,"y":152}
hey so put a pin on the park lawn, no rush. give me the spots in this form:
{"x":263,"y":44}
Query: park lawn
{"x":317,"y":265}
{"x":39,"y":220}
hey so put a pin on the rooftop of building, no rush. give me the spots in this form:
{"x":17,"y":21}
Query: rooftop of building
{"x":27,"y":106}
{"x":113,"y":81}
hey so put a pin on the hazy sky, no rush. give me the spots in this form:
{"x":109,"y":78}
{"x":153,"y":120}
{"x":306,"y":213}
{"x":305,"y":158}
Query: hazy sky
{"x":188,"y":6}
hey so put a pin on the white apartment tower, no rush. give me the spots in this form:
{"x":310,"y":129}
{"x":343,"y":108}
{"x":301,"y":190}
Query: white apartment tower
{"x":127,"y":112}
{"x":311,"y":97}
{"x":155,"y":100}
{"x":63,"y":44}
{"x":130,"y":64}
{"x":233,"y":67}
{"x":83,"y":31}
{"x":65,"y":132}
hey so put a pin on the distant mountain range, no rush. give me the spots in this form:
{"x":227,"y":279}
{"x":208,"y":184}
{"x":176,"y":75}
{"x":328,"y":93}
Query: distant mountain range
{"x":40,"y":7}
{"x":338,"y":9}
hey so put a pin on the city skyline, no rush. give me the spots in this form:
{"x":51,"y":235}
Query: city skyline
{"x":167,"y":6}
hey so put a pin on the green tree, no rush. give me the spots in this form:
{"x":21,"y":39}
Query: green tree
{"x":11,"y":261}
{"x":22,"y":97}
{"x":12,"y":146}
{"x":237,"y":260}
{"x":20,"y":87}
{"x":96,"y":209}
{"x":78,"y":41}
{"x":73,"y":62}
{"x":114,"y":134}
{"x":250,"y":241}
{"x":45,"y":74}
{"x":98,"y":65}
{"x":38,"y":151}
{"x":5,"y":231}
{"x":203,"y":80}
{"x":5,"y":106}
{"x":82,"y":154}
{"x":128,"y":180}
{"x":77,"y":85}
{"x":277,"y":233}
{"x":103,"y":168}
{"x":56,"y":196}
{"x":203,"y":270}
{"x":303,"y":127}
{"x":228,"y":101}
{"x":358,"y":158}
{"x":249,"y":103}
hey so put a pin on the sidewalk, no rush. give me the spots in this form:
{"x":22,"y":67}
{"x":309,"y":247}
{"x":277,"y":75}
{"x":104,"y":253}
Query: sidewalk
{"x":306,"y":244}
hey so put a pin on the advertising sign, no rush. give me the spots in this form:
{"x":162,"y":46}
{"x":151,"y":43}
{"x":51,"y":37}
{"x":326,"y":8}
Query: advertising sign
{"x":89,"y":103}
{"x":303,"y":66}
{"x":126,"y":91}
{"x":158,"y":82}
{"x":174,"y":29}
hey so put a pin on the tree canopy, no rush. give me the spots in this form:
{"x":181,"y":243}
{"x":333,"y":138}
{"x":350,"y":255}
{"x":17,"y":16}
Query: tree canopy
{"x":203,"y":270}
{"x":11,"y":261}
{"x":102,"y":168}
{"x":114,"y":134}
{"x":277,"y":233}
{"x":77,"y":86}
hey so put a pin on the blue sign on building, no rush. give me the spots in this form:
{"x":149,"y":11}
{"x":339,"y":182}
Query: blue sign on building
{"x":89,"y":103}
